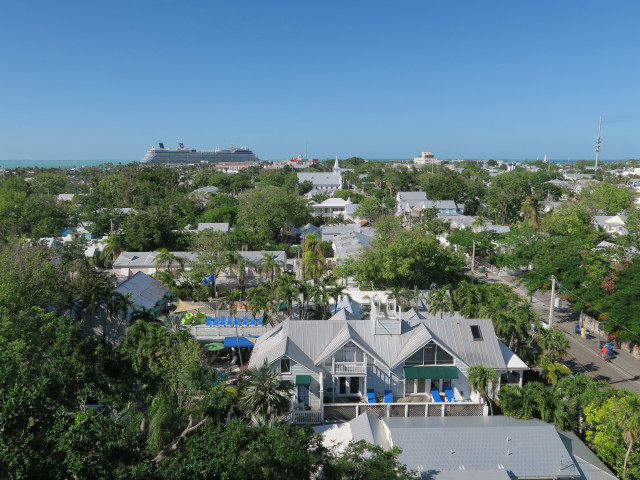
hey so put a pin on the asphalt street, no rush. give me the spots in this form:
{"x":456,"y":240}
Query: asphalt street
{"x":583,"y":355}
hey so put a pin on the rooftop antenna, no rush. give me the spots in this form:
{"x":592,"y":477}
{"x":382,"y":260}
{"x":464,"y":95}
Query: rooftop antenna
{"x":598,"y":142}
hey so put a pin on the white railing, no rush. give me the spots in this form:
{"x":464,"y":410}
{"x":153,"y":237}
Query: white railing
{"x":349,"y":367}
{"x":301,"y":417}
{"x":349,"y":411}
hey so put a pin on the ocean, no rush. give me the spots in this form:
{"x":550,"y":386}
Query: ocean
{"x":11,"y":164}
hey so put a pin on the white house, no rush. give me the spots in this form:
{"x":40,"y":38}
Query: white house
{"x":334,"y":207}
{"x":400,"y":364}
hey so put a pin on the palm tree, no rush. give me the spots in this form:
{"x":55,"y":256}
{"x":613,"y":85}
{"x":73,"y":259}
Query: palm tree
{"x":264,"y":395}
{"x":628,"y":418}
{"x":467,"y":297}
{"x":518,"y":402}
{"x":337,"y":291}
{"x":552,"y":342}
{"x":166,"y":259}
{"x":143,"y":345}
{"x":114,"y":245}
{"x":550,"y":404}
{"x":552,"y":371}
{"x":480,"y":380}
{"x":269,"y":266}
{"x":439,"y":300}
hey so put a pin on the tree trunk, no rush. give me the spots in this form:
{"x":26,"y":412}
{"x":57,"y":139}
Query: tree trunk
{"x":626,"y":458}
{"x":169,"y":449}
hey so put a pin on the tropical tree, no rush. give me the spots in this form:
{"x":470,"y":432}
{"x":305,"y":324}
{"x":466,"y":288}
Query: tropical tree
{"x":484,"y":381}
{"x":439,"y":300}
{"x":269,"y":265}
{"x":552,"y":371}
{"x":468,"y":298}
{"x":518,"y":402}
{"x":628,"y":418}
{"x":552,"y":342}
{"x":263,"y":395}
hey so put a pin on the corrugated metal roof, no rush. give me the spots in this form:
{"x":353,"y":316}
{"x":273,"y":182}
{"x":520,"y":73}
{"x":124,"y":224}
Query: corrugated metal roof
{"x":524,"y":448}
{"x":318,"y":338}
{"x":145,"y":291}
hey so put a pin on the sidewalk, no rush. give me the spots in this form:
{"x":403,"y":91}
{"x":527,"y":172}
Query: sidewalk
{"x":583,"y":355}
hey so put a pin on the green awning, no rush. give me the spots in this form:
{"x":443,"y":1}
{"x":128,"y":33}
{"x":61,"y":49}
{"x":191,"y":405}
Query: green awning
{"x":168,"y":294}
{"x":160,"y":303}
{"x":435,"y":372}
{"x":303,"y":380}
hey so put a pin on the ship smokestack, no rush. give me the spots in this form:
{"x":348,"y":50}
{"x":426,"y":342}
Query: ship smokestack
{"x":181,"y":145}
{"x":161,"y":145}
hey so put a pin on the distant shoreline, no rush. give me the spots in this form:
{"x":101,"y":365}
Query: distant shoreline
{"x":11,"y":164}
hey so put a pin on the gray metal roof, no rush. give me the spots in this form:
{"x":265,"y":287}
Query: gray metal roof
{"x":590,"y":466}
{"x":145,"y":291}
{"x":317,"y":337}
{"x":523,"y":448}
{"x":320,"y":178}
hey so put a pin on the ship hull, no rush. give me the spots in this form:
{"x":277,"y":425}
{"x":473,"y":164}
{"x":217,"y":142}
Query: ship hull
{"x":193,"y":156}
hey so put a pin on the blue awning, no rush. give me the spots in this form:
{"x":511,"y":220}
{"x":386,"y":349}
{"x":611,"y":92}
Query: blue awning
{"x":239,"y":341}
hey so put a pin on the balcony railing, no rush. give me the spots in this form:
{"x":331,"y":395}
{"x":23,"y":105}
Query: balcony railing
{"x":302,"y":417}
{"x":345,"y":411}
{"x":349,"y":368}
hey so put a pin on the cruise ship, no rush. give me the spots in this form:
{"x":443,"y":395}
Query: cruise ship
{"x":181,"y":154}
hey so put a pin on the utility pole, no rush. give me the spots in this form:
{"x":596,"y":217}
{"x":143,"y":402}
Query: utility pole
{"x":553,"y":299}
{"x":473,"y":261}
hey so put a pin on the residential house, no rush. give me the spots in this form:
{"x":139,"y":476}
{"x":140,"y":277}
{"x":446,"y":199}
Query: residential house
{"x":144,"y":292}
{"x":416,"y":365}
{"x":405,"y":201}
{"x":334,"y":207}
{"x":614,"y":224}
{"x":474,"y":448}
{"x":129,"y":263}
{"x":216,"y":227}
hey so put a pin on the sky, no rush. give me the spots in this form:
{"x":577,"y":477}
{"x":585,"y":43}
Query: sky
{"x":375,"y":79}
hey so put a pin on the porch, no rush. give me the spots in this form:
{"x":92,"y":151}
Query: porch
{"x":412,"y":407}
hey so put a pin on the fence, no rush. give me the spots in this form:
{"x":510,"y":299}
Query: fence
{"x":596,"y":329}
{"x":346,"y":412}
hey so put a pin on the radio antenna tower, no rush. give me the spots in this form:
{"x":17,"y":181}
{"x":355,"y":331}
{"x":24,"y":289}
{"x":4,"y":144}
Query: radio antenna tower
{"x":598,"y":142}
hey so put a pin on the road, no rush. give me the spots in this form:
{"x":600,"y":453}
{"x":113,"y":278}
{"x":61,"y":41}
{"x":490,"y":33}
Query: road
{"x":583,"y":355}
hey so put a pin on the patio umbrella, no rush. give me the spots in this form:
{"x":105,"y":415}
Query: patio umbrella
{"x":214,"y":346}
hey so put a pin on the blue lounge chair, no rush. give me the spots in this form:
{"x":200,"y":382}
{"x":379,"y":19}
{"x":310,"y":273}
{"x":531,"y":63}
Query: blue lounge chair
{"x":252,"y":322}
{"x":238,"y":321}
{"x":448,"y":392}
{"x":222,"y":321}
{"x":229,"y":322}
{"x":259,"y":321}
{"x":371,"y":395}
{"x":435,"y":394}
{"x":208,"y":322}
{"x":215,"y":322}
{"x":245,"y":322}
{"x":388,"y":396}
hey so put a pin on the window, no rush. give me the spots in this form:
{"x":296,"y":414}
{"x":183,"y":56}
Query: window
{"x":476,"y":333}
{"x":430,"y":354}
{"x":285,"y":365}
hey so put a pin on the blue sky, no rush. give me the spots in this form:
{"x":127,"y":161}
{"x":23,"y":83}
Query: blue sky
{"x":463,"y":79}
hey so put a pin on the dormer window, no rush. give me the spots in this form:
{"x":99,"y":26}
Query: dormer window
{"x":476,"y":333}
{"x":430,"y":354}
{"x":285,"y":365}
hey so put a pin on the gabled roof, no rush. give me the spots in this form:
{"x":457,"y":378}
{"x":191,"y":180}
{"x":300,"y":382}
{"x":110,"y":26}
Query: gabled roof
{"x":420,"y":337}
{"x":345,"y":335}
{"x":317,"y":339}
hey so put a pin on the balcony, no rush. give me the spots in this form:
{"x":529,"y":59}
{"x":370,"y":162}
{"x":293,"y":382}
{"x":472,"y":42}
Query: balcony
{"x":348,"y":368}
{"x":305,"y":417}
